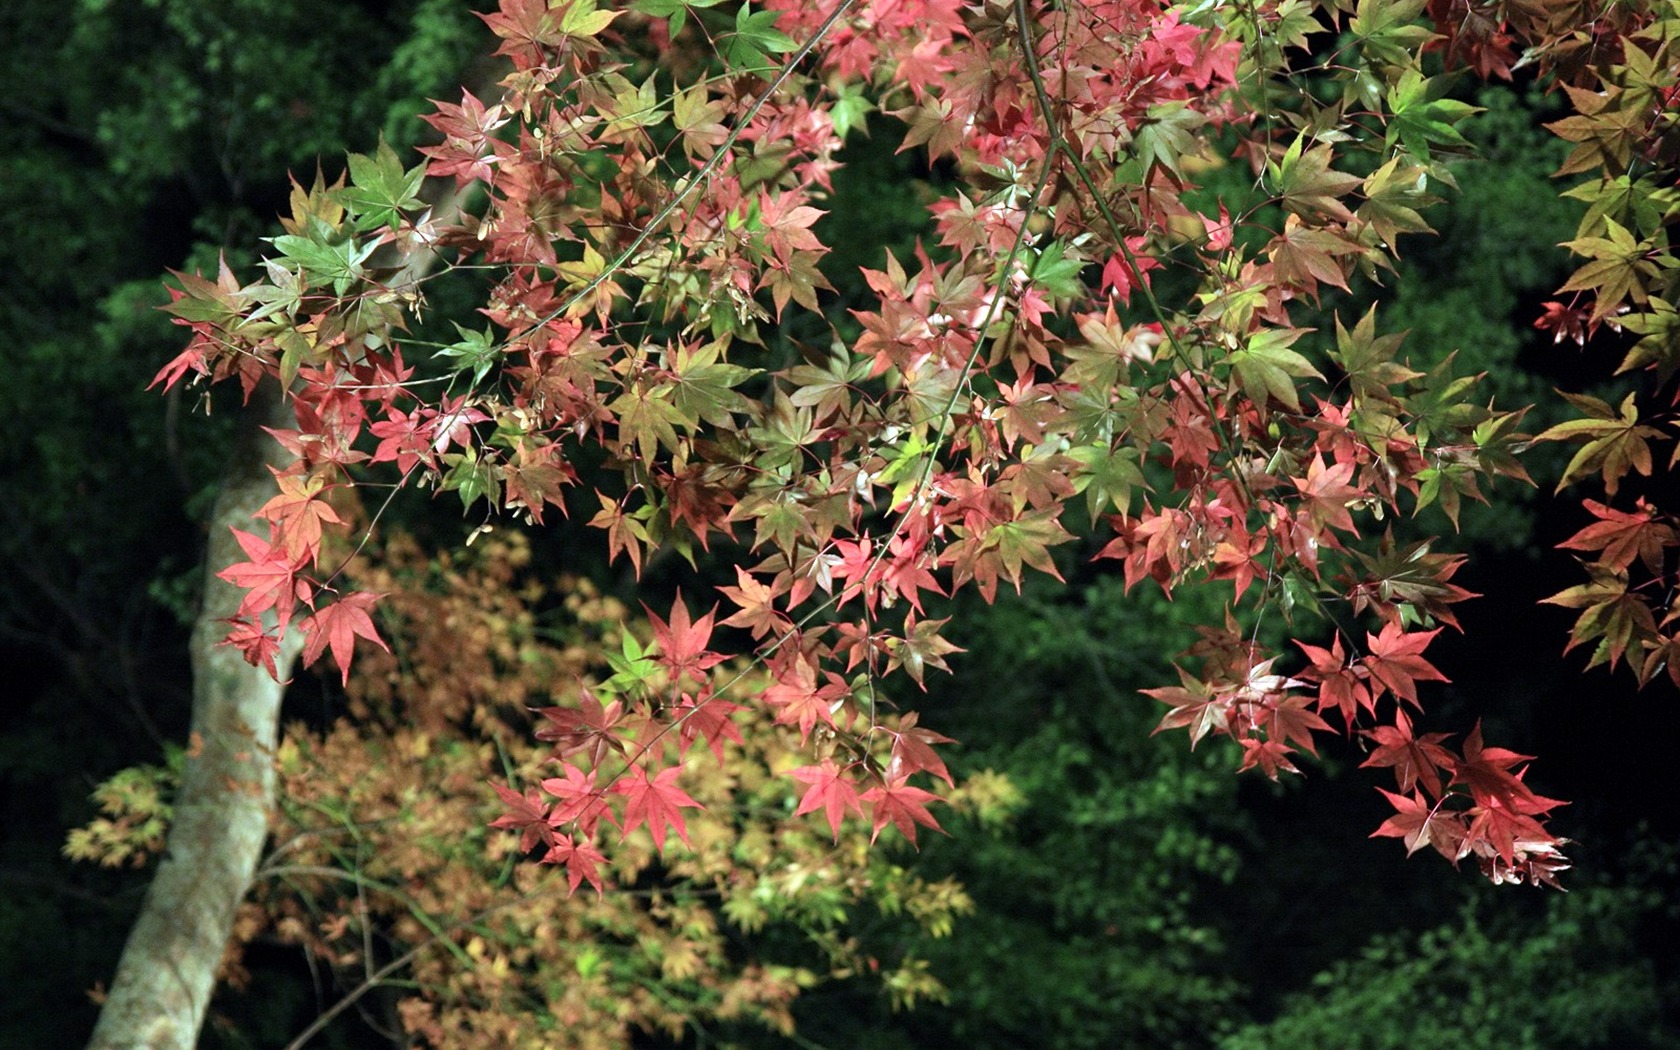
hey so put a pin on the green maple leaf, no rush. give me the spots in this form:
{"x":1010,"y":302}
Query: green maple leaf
{"x":1389,"y":30}
{"x":1616,"y":442}
{"x":755,"y":39}
{"x":583,"y":20}
{"x":1420,"y":118}
{"x":380,"y":190}
{"x":1609,"y":613}
{"x":1055,"y":273}
{"x":1309,"y":187}
{"x":1442,"y":405}
{"x":1393,"y":195}
{"x":675,"y":12}
{"x":1026,"y":541}
{"x":1108,"y":477}
{"x":339,"y":263}
{"x":704,"y":389}
{"x":1368,"y":359}
{"x":472,"y":478}
{"x":1168,"y":135}
{"x":647,"y":419}
{"x":1619,"y":267}
{"x":477,"y":352}
{"x":1267,"y":369}
{"x":849,"y":110}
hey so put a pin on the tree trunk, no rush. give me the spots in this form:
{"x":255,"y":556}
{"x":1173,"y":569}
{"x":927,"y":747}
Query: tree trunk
{"x":168,"y":968}
{"x":167,"y":973}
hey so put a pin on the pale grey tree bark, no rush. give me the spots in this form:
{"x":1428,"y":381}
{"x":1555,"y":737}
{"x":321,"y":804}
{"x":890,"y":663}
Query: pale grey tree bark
{"x":167,"y":972}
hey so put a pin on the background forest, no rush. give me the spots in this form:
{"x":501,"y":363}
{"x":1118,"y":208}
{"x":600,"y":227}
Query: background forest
{"x":1099,"y":887}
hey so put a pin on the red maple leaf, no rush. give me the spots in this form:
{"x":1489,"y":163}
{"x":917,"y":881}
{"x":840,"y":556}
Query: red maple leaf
{"x":1339,"y":685}
{"x":1268,"y":756}
{"x":903,"y":806}
{"x":1415,"y":760}
{"x":682,"y":643}
{"x":581,"y":801}
{"x":1288,"y":720}
{"x":1487,"y":772}
{"x":586,"y":727}
{"x":267,"y":578}
{"x":257,"y":645}
{"x":706,"y":717}
{"x":337,"y":626}
{"x":800,"y":701}
{"x":1196,"y":706}
{"x":580,"y":860}
{"x":912,"y":751}
{"x":1420,"y":824}
{"x":297,"y":515}
{"x":1326,"y":494}
{"x":658,"y":802}
{"x":527,"y":814}
{"x":1396,"y":661}
{"x":1623,"y":536}
{"x":830,"y":790}
{"x":1500,"y":831}
{"x":754,"y":602}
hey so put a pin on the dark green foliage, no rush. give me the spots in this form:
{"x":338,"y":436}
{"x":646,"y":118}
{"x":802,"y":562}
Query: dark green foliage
{"x":1575,"y":977}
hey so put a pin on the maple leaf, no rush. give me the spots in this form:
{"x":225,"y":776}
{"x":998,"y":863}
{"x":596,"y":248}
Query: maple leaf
{"x":1009,"y":545}
{"x":267,"y":578}
{"x":1407,"y":583}
{"x":588,"y":727}
{"x":1625,"y":535}
{"x":1487,"y":772}
{"x":1415,"y":760}
{"x":1308,"y":187}
{"x":580,"y":800}
{"x":1615,"y":441}
{"x":921,"y":647}
{"x":1396,"y":660}
{"x":1620,"y":267}
{"x":1288,"y":720}
{"x":298,"y":515}
{"x":527,"y":814}
{"x":1505,"y":832}
{"x":901,"y":805}
{"x":1196,"y":706}
{"x":626,"y":532}
{"x":800,"y":701}
{"x":1393,"y":195}
{"x":338,"y":626}
{"x":912,"y":751}
{"x":257,"y":645}
{"x":1269,"y":756}
{"x":1327,"y":494}
{"x":682,"y":642}
{"x":1340,"y":685}
{"x":1419,"y":823}
{"x":580,"y":859}
{"x":1266,"y":368}
{"x":755,"y":610}
{"x":829,"y":789}
{"x":706,"y":717}
{"x":658,"y":802}
{"x":1619,"y":618}
{"x":1302,"y":257}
